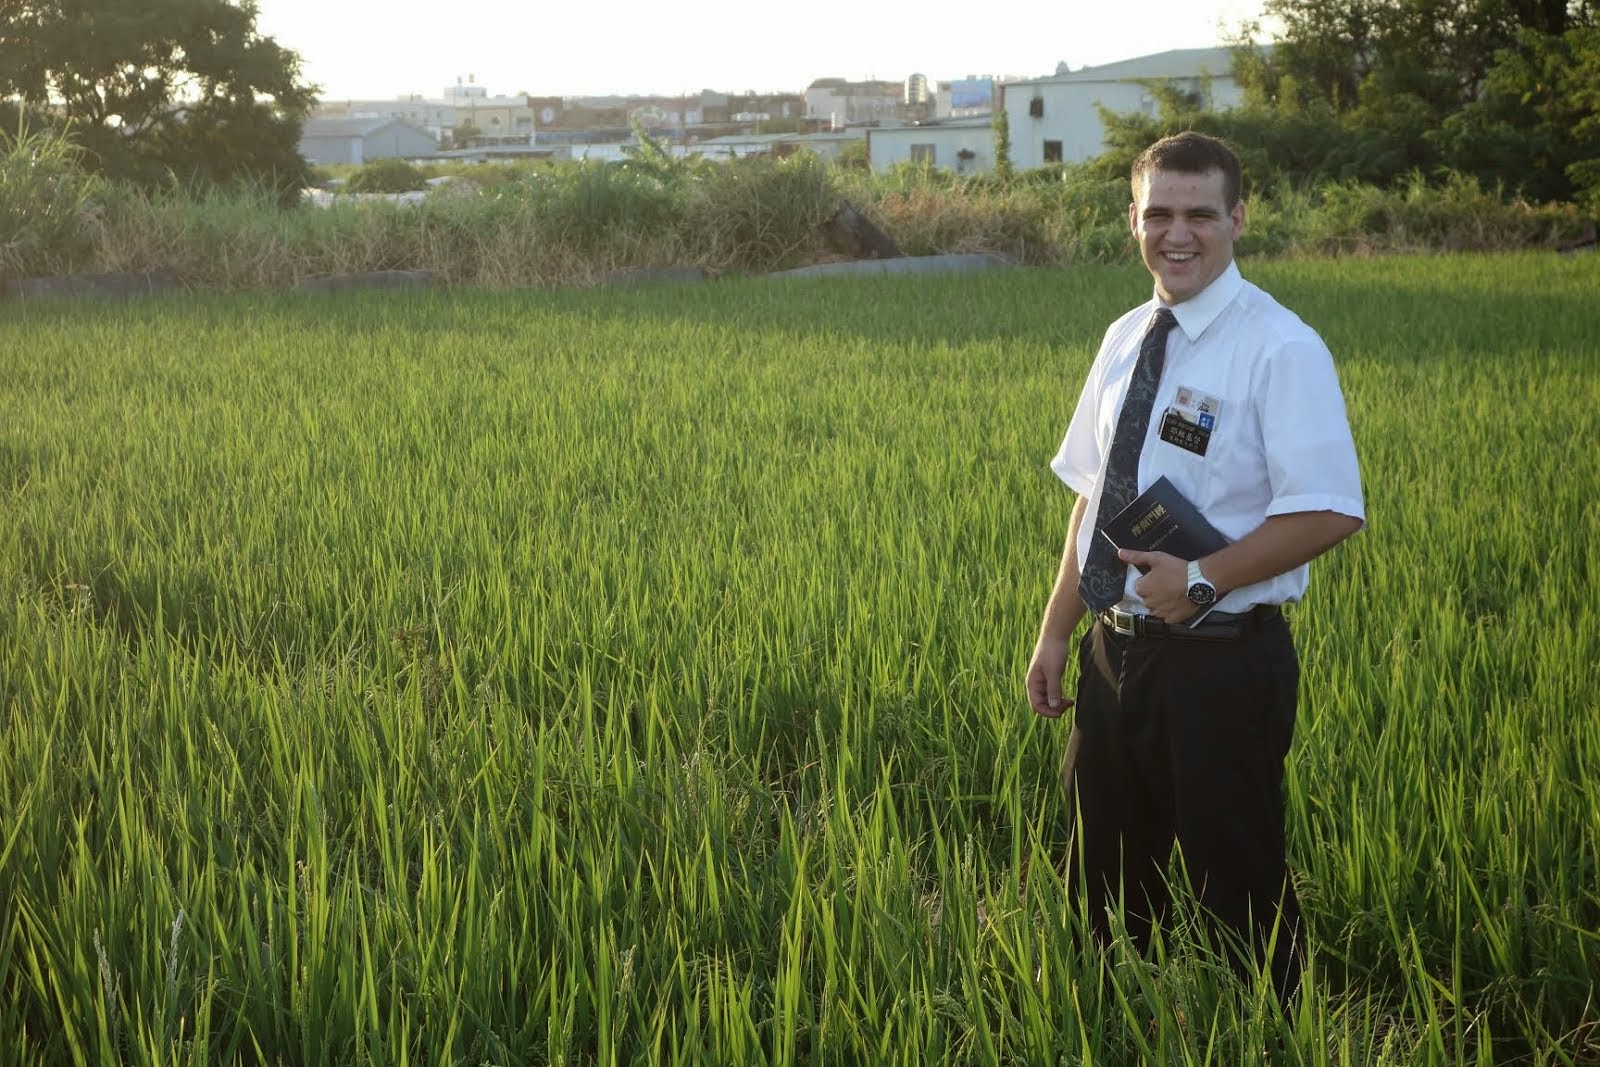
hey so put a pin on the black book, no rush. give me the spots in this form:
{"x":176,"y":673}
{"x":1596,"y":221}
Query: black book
{"x":1162,"y":519}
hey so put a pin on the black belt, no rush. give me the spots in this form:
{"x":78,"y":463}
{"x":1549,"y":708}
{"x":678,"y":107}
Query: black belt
{"x":1217,"y":626}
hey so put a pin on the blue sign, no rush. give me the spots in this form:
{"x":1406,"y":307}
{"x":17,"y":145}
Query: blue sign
{"x":971,"y":94}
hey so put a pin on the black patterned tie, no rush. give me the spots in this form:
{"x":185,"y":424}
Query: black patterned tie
{"x":1104,"y":575}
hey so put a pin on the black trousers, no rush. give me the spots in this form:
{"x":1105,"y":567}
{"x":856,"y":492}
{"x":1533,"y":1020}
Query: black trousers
{"x":1184,"y":741}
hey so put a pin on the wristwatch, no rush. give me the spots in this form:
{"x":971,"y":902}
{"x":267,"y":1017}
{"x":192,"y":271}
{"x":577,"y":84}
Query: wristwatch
{"x":1201,"y":591}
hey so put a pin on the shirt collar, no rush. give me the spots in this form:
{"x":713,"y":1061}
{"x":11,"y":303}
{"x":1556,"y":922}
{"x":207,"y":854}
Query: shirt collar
{"x":1201,"y":309}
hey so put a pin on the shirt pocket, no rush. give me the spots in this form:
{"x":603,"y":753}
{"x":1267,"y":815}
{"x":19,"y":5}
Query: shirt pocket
{"x":1176,"y":442}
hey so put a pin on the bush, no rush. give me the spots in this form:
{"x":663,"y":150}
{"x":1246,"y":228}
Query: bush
{"x":46,"y":220}
{"x":575,"y":223}
{"x":758,"y":214}
{"x":1456,"y":215}
{"x":387,"y":176}
{"x":592,"y":204}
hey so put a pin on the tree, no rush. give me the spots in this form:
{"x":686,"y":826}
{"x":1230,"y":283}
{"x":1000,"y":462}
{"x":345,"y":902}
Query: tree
{"x":1395,"y":88}
{"x":1540,"y":111}
{"x":1001,"y":123}
{"x":160,"y":89}
{"x":1440,"y":51}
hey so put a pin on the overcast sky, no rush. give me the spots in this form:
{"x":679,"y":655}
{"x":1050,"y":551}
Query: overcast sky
{"x":382,"y":48}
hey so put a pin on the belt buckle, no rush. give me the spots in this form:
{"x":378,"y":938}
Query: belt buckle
{"x":1126,"y":622}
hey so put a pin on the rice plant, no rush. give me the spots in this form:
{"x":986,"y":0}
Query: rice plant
{"x":633,"y":677}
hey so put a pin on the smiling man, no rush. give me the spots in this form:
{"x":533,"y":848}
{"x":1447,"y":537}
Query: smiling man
{"x":1180,"y":731}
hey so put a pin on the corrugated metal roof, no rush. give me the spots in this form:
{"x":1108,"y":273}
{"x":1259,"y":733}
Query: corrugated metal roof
{"x":827,"y":135}
{"x":1177,"y":63}
{"x":342,"y":127}
{"x":965,"y":122}
{"x":743,"y":138}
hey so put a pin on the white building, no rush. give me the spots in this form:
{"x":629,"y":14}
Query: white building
{"x":1054,"y":120}
{"x":332,"y":141}
{"x":847,"y":103}
{"x":965,"y":146}
{"x":432,"y":115}
{"x":829,"y":145}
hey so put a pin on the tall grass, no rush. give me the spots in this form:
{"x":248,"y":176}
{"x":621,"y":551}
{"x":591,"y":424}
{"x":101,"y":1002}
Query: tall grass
{"x":546,"y":225}
{"x":612,"y":677}
{"x":45,"y":198}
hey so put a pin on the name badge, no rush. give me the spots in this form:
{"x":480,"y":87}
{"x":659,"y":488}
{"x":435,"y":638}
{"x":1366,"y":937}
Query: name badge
{"x":1190,"y":421}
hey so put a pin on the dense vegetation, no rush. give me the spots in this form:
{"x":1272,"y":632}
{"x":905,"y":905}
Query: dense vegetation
{"x":634,"y":676}
{"x":547,"y":225}
{"x":160,"y":92}
{"x":164,"y":139}
{"x":1504,"y":91}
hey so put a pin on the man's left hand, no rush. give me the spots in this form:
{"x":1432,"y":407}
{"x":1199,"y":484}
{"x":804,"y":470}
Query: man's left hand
{"x":1165,"y":588}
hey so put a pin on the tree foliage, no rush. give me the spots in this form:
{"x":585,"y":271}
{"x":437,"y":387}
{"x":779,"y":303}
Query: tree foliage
{"x":1001,"y":124}
{"x":1505,"y":92}
{"x":1540,"y":107}
{"x":387,"y":176}
{"x":1439,"y":51}
{"x":160,"y":89}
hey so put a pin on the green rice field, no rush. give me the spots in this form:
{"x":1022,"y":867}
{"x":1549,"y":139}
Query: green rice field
{"x":635,"y":676}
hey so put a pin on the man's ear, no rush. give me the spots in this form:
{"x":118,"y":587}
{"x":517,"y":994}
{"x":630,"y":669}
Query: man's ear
{"x":1237,"y":215}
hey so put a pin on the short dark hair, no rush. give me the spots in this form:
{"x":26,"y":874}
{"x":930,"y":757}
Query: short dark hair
{"x":1192,"y":153}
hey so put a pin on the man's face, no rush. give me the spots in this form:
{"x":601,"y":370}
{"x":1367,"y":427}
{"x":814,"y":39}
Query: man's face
{"x":1184,"y":229}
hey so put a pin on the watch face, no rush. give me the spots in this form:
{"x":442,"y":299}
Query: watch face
{"x":1202,"y":593}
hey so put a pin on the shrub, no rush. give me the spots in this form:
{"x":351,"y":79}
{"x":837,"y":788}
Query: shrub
{"x":573,"y":223}
{"x":387,"y":176}
{"x":45,"y":203}
{"x":592,"y":204}
{"x":1456,"y":215}
{"x":758,"y":214}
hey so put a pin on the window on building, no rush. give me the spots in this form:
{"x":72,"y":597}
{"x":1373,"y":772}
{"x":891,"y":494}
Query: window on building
{"x":1052,"y":151}
{"x":923,"y":153}
{"x":1036,"y":107}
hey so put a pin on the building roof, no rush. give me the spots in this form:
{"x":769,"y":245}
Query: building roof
{"x":507,"y":151}
{"x":821,"y":137}
{"x":743,"y":138}
{"x":874,"y":85}
{"x":342,"y":127}
{"x":1177,"y":63}
{"x":963,"y":123}
{"x":825,"y":136}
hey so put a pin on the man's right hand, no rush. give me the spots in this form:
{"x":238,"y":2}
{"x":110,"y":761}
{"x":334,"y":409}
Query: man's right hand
{"x":1044,"y":677}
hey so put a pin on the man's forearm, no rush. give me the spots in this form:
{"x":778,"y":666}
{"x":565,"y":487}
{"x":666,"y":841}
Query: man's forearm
{"x":1279,"y":544}
{"x":1062,"y":614}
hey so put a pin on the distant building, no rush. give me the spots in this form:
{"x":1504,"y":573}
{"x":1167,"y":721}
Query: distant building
{"x":498,"y":118}
{"x":966,"y":98}
{"x":827,"y":145}
{"x":732,"y":146}
{"x":1054,"y":120}
{"x":435,"y":116}
{"x":326,"y":141}
{"x":503,"y":153}
{"x":846,"y":103}
{"x":754,"y":109}
{"x":965,"y":146}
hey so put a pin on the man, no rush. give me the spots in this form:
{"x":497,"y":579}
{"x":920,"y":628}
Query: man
{"x":1180,"y":732}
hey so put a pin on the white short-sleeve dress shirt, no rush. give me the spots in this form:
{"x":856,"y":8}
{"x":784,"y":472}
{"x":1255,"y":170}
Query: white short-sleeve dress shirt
{"x":1280,"y":442}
